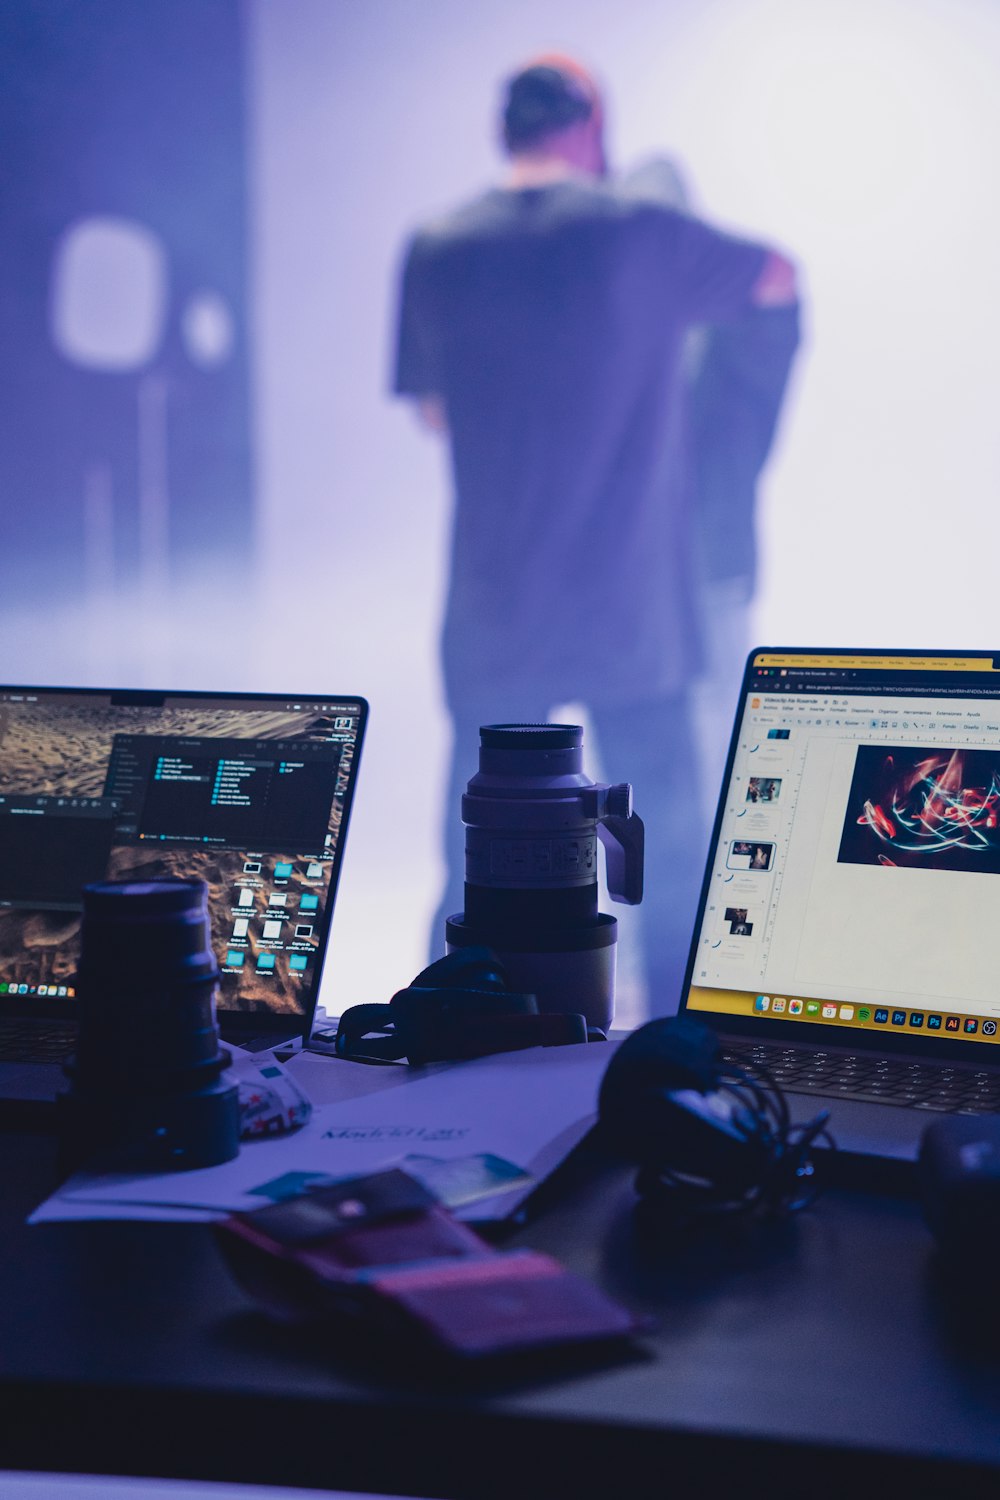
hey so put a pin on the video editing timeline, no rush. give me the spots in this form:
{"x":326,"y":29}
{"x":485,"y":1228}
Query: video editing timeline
{"x":855,"y":875}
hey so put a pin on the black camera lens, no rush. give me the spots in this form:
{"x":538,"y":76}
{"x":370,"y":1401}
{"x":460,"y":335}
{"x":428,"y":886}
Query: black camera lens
{"x":147,"y":1078}
{"x":531,"y":737}
{"x":147,"y":983}
{"x":533,"y":820}
{"x":531,"y":837}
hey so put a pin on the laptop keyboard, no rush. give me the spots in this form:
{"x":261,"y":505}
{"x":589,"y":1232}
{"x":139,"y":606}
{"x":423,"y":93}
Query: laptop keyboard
{"x":877,"y":1080}
{"x":35,"y":1041}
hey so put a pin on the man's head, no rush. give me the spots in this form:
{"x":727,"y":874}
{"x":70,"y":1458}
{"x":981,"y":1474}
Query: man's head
{"x":552,"y":111}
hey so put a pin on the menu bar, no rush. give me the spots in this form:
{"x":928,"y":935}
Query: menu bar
{"x":880,"y":663}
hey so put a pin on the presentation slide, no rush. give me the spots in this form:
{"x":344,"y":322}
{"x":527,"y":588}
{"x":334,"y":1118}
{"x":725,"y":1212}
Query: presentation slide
{"x":888,"y":890}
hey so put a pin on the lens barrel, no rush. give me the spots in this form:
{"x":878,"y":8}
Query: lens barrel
{"x":532,"y":818}
{"x":146,"y":1083}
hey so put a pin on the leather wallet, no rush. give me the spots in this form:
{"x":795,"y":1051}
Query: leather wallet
{"x":381,"y":1252}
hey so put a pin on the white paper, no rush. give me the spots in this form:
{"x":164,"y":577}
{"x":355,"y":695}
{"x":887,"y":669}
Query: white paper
{"x":529,"y":1108}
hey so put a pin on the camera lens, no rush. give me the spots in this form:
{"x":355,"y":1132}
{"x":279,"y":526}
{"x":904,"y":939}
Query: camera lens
{"x":147,"y":984}
{"x":532,"y":819}
{"x":531,"y":737}
{"x":147,"y":1082}
{"x":531,"y":845}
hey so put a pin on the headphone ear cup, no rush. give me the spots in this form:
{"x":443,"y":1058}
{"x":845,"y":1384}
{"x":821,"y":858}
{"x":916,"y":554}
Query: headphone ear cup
{"x":464,"y":969}
{"x":636,"y":1113}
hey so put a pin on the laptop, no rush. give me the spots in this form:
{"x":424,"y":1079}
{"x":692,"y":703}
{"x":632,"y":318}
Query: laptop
{"x":845,"y":931}
{"x":251,"y":792}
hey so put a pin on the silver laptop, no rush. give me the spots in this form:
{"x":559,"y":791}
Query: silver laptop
{"x":845,"y":935}
{"x":250,"y":792}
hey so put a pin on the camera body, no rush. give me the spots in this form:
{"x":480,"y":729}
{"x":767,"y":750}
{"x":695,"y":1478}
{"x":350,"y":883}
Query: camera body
{"x":533,"y":822}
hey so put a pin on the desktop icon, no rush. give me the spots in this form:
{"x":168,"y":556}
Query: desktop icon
{"x":777,"y":1005}
{"x":952,"y":1023}
{"x":881,"y":1016}
{"x":795,"y":1007}
{"x":989,"y":1028}
{"x":829,"y":1012}
{"x":971,"y":1025}
{"x":864,"y":1014}
{"x":762,"y":1002}
{"x":847,"y":1012}
{"x":812,"y":1007}
{"x":916,"y":1018}
{"x":933,"y":1023}
{"x":899,"y":1018}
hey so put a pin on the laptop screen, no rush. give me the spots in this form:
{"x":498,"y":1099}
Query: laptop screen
{"x":251,"y":793}
{"x":854,"y":876}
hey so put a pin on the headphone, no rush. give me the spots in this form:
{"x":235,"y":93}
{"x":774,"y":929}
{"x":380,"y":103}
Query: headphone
{"x":458,"y":1007}
{"x":709,"y":1136}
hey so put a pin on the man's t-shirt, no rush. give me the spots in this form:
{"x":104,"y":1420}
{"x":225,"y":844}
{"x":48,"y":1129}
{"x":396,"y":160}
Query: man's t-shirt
{"x":550,"y":321}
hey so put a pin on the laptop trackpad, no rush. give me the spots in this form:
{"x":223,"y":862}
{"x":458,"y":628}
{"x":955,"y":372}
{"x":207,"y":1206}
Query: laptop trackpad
{"x":868,"y":1129}
{"x":41,"y":1081}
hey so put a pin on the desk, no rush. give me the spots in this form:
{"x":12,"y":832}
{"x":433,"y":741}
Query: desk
{"x":809,"y":1360}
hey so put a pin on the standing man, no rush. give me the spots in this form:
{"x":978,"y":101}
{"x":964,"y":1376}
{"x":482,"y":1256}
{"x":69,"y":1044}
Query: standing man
{"x":540,"y":329}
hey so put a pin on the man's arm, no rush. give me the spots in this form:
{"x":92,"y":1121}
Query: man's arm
{"x":418,"y":356}
{"x":734,"y":402}
{"x":719,"y":277}
{"x":432,"y":413}
{"x":776,"y":286}
{"x":660,"y":181}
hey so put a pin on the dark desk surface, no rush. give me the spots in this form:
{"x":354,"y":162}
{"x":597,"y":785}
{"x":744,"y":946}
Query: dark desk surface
{"x":805,"y":1357}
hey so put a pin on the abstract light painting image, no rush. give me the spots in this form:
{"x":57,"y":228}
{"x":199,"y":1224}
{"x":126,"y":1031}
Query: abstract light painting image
{"x":924,"y":808}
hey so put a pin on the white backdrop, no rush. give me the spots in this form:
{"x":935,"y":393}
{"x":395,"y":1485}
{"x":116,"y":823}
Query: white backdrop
{"x":860,"y":135}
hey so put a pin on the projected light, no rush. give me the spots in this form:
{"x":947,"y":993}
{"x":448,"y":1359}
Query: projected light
{"x":109,"y":294}
{"x":207,"y":329}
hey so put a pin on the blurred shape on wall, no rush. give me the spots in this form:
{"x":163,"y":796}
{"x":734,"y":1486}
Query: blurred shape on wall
{"x":109,"y":294}
{"x":207,"y":329}
{"x":125,"y":452}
